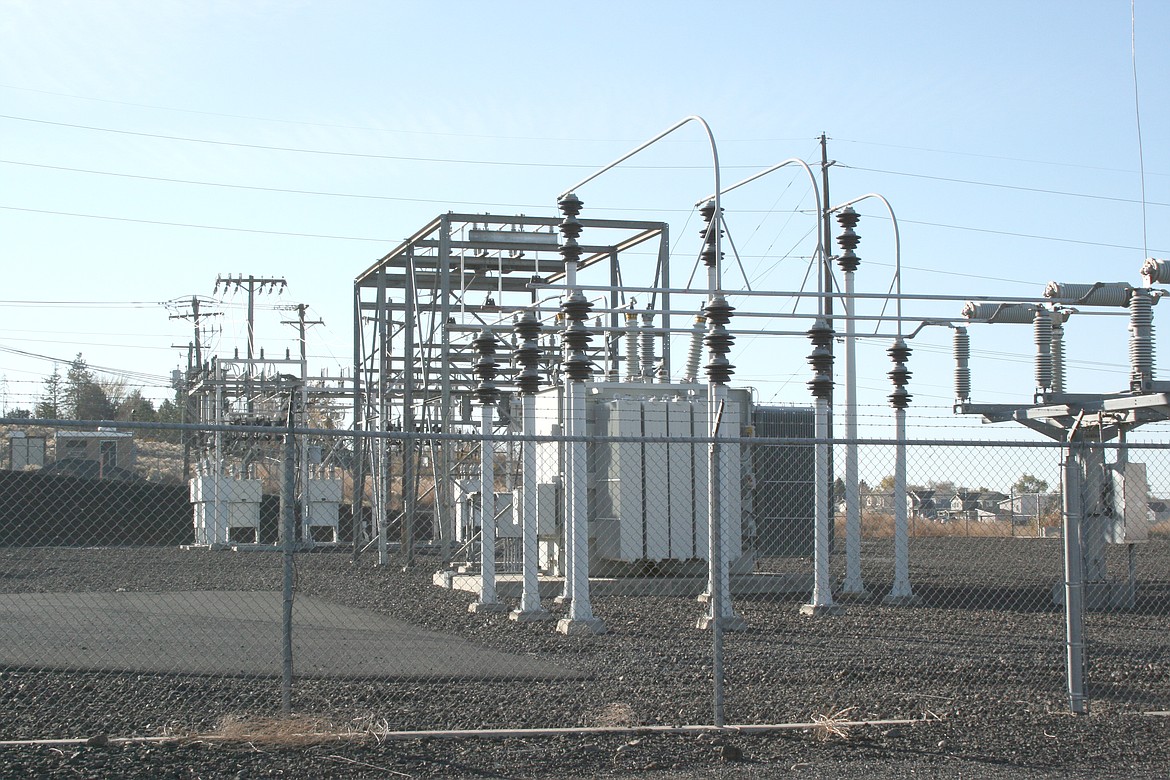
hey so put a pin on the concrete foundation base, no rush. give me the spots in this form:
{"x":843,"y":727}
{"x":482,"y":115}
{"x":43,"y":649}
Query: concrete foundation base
{"x":587,"y":627}
{"x":1101,"y":596}
{"x":531,"y":616}
{"x":480,"y":607}
{"x":821,"y":610}
{"x":910,"y":600}
{"x":509,"y":586}
{"x":728,"y":624}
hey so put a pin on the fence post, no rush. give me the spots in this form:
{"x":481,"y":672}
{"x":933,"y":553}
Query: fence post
{"x":287,"y":546}
{"x":1074,"y":579}
{"x":715,"y":542}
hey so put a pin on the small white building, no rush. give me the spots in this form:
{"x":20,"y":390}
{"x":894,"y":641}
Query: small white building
{"x":108,"y":448}
{"x":25,"y":451}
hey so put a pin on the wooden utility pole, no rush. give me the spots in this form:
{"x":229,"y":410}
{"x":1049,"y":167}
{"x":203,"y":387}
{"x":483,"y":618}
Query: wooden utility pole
{"x":251,"y":284}
{"x":196,"y":316}
{"x":194,"y":367}
{"x":301,"y":324}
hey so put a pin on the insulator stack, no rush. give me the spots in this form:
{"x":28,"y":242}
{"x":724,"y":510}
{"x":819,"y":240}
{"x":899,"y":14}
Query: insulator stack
{"x":576,"y":337}
{"x":995,"y":313}
{"x":710,"y":235}
{"x":718,"y":312}
{"x":648,"y":357}
{"x":847,"y":218}
{"x":1096,"y":294}
{"x":899,"y":374}
{"x":574,"y":307}
{"x":632,"y":370}
{"x":528,"y":353}
{"x":1141,"y":340}
{"x":486,"y":367}
{"x":821,"y":360}
{"x":1156,"y":271}
{"x":962,"y":349}
{"x":695,"y":353}
{"x":1058,"y":352}
{"x":570,"y":227}
{"x":1042,"y":337}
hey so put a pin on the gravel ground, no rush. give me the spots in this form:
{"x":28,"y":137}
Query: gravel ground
{"x":979,"y":663}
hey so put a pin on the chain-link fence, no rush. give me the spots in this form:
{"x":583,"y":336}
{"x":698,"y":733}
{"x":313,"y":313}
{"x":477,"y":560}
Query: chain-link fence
{"x":183,"y":596}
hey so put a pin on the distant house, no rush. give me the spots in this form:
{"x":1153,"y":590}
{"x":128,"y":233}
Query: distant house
{"x":1159,"y":510}
{"x":975,"y":505}
{"x":921,"y":503}
{"x":1029,"y":506}
{"x":878,"y":502}
{"x":100,"y":453}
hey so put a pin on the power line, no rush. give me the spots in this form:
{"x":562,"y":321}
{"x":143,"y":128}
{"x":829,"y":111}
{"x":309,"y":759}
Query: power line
{"x":87,"y":304}
{"x":992,"y":156}
{"x":135,"y":375}
{"x":374,"y":129}
{"x":191,"y":225}
{"x":1027,"y":235}
{"x":322,"y":193}
{"x":1000,"y":186}
{"x":362,"y":155}
{"x":275,"y":189}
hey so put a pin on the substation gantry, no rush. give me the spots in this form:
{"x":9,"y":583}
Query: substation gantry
{"x":1105,"y":504}
{"x":417,"y":311}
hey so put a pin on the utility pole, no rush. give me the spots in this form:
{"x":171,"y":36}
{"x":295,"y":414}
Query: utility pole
{"x":827,"y":299}
{"x":196,"y":316}
{"x":251,"y":284}
{"x":193,"y":371}
{"x":301,"y":324}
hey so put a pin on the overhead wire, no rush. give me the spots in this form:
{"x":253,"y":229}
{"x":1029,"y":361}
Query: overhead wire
{"x":990,"y":231}
{"x":164,"y":223}
{"x":339,"y":126}
{"x":128,"y":374}
{"x":338,"y":153}
{"x":956,"y":227}
{"x":319,"y":193}
{"x":1138,"y":120}
{"x":1019,"y":188}
{"x":988,"y":156}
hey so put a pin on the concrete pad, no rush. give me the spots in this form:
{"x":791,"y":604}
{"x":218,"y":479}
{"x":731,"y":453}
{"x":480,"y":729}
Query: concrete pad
{"x":237,"y":633}
{"x":509,"y":586}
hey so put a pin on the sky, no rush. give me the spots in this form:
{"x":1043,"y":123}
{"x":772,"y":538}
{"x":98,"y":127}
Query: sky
{"x":147,"y":148}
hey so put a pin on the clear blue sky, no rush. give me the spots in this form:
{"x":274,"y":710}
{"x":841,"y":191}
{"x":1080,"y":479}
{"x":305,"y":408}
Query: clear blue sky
{"x":1004,"y":134}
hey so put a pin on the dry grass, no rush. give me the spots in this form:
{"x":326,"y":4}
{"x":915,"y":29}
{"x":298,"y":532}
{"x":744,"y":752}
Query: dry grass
{"x":1160,"y":530}
{"x":880,"y":525}
{"x":292,"y":731}
{"x":616,"y":713}
{"x":833,"y":725}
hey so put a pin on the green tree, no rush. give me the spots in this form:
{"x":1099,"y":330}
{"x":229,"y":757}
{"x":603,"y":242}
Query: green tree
{"x":84,"y":398}
{"x":171,"y":412}
{"x":49,"y":407}
{"x":1028,"y":483}
{"x":135,"y":407}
